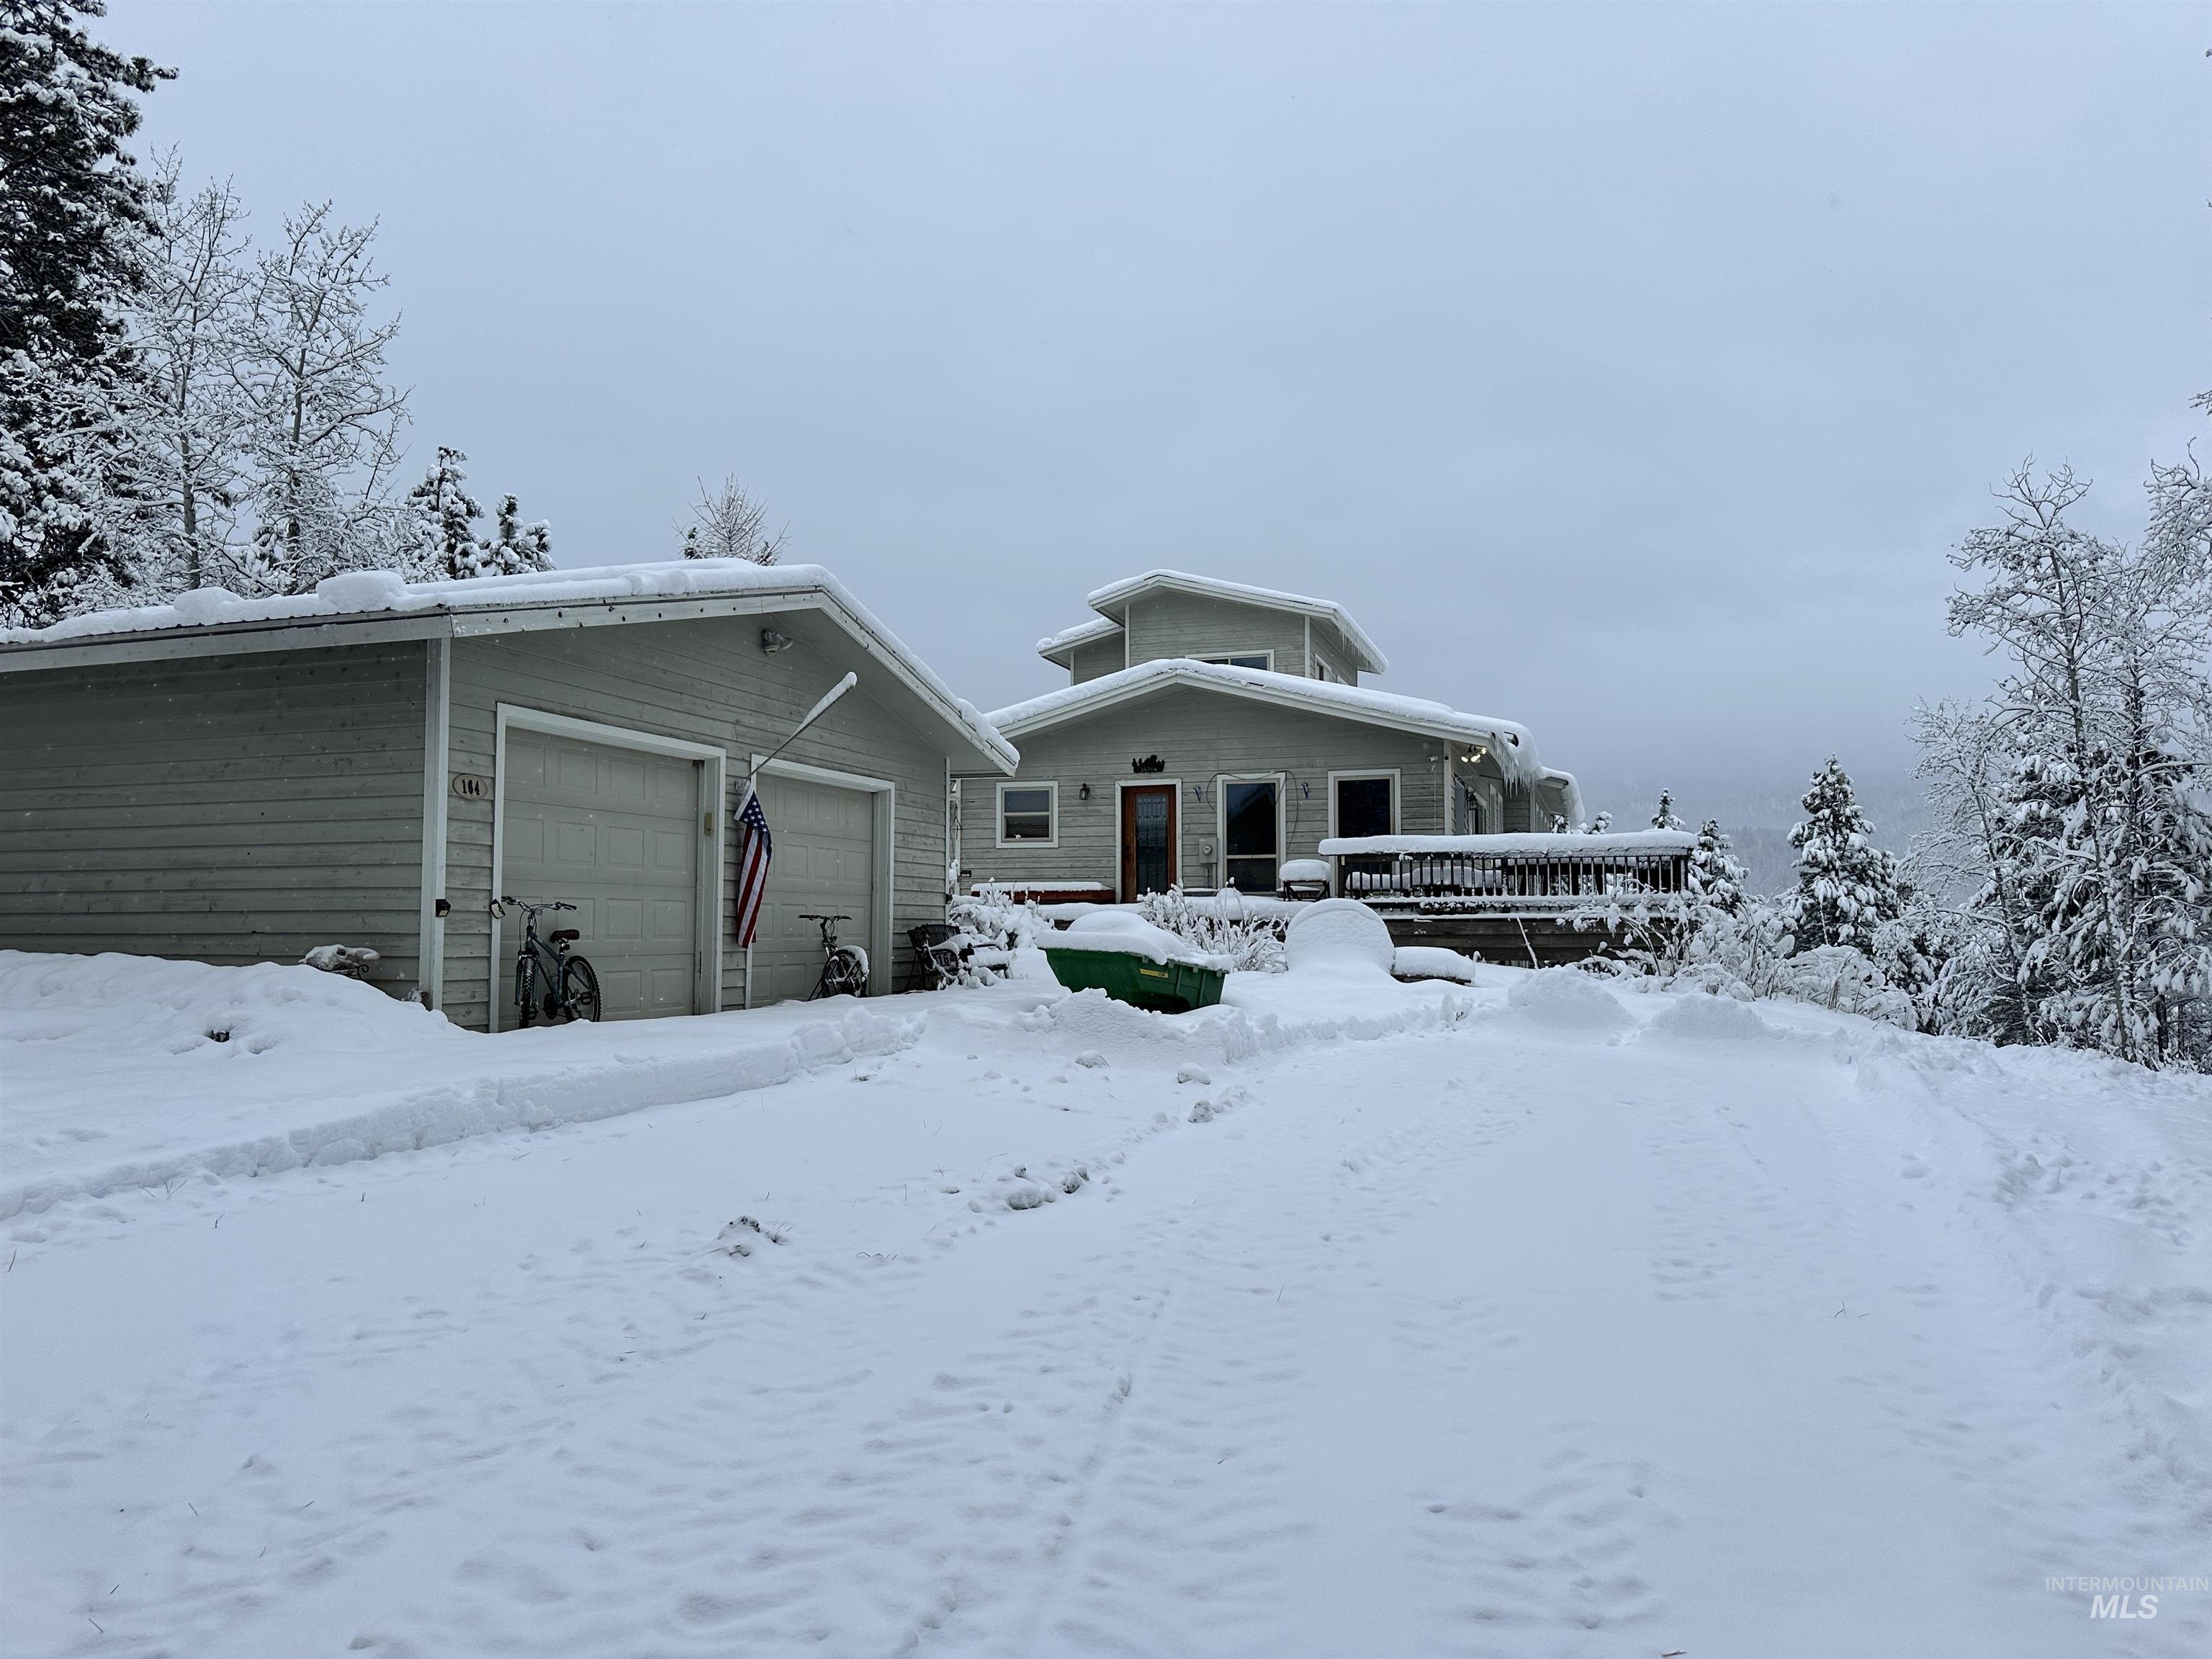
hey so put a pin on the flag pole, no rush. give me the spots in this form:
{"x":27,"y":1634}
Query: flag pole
{"x":753,"y":771}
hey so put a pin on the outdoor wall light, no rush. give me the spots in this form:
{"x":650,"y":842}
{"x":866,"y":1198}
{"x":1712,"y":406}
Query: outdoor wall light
{"x":772,"y":641}
{"x":1083,"y":792}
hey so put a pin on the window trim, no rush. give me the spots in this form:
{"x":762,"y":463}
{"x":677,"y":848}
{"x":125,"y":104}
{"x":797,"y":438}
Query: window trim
{"x":1362,"y":774}
{"x":1221,"y":660}
{"x":1221,"y":782}
{"x":1051,"y":787}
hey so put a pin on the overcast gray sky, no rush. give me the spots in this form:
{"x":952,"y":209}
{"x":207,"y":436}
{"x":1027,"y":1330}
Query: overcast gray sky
{"x":1628,"y":371}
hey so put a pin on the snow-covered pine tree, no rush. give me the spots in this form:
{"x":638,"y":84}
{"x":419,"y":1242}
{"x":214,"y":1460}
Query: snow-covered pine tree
{"x":442,"y":542}
{"x":728,"y":524}
{"x":1600,"y":825}
{"x":1716,"y":880}
{"x":322,"y":424}
{"x":1666,"y":818}
{"x":516,"y":548}
{"x":188,"y":325}
{"x":72,"y":208}
{"x":1846,"y":885}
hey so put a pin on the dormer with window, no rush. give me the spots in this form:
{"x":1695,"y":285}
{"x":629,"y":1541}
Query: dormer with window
{"x":1168,"y":614}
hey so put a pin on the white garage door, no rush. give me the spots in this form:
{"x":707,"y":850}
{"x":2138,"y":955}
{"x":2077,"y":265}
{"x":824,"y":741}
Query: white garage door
{"x":824,"y":862}
{"x":616,"y":833}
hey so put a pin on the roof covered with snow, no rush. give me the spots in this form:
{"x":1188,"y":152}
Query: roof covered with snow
{"x":211,"y":620}
{"x":1056,"y":645}
{"x":1510,"y":742}
{"x":1113,"y":600}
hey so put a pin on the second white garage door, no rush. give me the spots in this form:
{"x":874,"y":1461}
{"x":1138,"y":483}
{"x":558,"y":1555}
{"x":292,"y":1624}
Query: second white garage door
{"x":616,"y":832}
{"x":825,"y":861}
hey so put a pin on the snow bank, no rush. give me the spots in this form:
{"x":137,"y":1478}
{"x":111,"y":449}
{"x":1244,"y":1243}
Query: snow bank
{"x":1567,"y":999}
{"x":117,"y":1077}
{"x":1700,"y":1017}
{"x":117,"y":1005}
{"x":1337,"y":933}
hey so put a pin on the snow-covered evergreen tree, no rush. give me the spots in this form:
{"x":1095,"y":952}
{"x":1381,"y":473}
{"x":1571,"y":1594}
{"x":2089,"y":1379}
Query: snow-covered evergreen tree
{"x":188,"y":326}
{"x":1846,"y":885}
{"x":72,"y":209}
{"x":1666,"y":818}
{"x":1716,"y":879}
{"x":323,"y":426}
{"x":728,"y":524}
{"x":516,"y":547}
{"x":441,"y":518}
{"x":1600,"y":825}
{"x":443,"y":544}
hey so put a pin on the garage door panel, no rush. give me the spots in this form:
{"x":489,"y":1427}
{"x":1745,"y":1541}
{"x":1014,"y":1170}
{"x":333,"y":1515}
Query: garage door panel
{"x":824,"y":862}
{"x":616,"y":833}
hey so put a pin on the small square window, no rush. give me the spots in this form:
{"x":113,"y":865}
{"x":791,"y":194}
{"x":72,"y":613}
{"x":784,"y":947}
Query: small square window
{"x":1025,"y":813}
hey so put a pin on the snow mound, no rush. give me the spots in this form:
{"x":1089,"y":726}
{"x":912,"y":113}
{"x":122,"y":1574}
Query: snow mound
{"x":122,"y":1004}
{"x":1100,"y":1031}
{"x":1432,"y":962}
{"x":1702,"y":1019}
{"x":1127,"y":931}
{"x":1337,"y":933}
{"x":1568,"y":1000}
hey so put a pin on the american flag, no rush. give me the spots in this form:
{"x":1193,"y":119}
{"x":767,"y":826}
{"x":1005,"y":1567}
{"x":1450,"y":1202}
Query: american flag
{"x":755,"y":848}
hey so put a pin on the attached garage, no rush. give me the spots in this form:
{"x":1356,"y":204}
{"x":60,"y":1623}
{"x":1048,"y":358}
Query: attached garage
{"x":619,"y":826}
{"x":828,"y":847}
{"x":376,"y":762}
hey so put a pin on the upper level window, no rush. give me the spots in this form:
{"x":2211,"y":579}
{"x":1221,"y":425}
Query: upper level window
{"x":1028,"y":814}
{"x":1264,"y":660}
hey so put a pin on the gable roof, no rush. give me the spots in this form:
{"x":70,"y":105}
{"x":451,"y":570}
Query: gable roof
{"x":360,"y":605}
{"x":1112,"y":601}
{"x":1510,"y":742}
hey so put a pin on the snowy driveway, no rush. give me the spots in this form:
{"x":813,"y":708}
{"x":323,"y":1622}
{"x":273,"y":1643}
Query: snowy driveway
{"x":1561,"y":1329}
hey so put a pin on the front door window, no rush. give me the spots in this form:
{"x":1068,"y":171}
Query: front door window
{"x":1148,"y":831}
{"x":1251,"y":846}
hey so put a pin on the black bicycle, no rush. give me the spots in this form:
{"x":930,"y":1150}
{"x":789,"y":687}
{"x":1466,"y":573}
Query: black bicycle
{"x":548,"y":979}
{"x":844,"y":969}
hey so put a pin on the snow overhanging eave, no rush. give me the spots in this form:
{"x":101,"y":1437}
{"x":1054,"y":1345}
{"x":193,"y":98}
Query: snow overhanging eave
{"x":1506,"y":741}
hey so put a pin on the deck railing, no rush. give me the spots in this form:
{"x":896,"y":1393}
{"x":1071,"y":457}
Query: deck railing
{"x":1523,"y":874}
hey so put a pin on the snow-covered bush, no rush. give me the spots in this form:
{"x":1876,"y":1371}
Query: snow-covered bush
{"x":1220,"y":927}
{"x":994,"y":925}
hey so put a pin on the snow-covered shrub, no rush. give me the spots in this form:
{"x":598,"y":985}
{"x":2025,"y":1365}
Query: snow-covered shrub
{"x":1836,"y":977}
{"x":1220,"y":927}
{"x":994,"y":925}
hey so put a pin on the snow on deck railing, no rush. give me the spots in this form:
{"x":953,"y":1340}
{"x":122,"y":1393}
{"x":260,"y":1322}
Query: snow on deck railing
{"x":1517,"y":872}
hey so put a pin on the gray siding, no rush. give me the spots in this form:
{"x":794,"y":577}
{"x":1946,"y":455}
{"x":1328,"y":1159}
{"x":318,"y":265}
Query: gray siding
{"x":1198,"y":735}
{"x":1096,"y":660}
{"x":230,"y":809}
{"x":705,"y":681}
{"x":1172,"y":624}
{"x":1329,"y":647}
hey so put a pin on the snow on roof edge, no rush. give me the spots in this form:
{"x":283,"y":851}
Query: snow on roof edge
{"x":1218,"y":587}
{"x":1510,"y":742}
{"x":359,"y":595}
{"x":1081,"y":633}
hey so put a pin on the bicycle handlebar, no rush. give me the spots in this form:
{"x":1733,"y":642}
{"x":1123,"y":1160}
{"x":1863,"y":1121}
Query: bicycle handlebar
{"x":532,"y":910}
{"x":811,"y":916}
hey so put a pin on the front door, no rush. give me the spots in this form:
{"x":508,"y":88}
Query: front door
{"x":1148,"y":839}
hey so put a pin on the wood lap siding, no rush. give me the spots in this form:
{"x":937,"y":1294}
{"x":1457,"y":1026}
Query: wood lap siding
{"x":707,"y":681}
{"x":1191,"y":625}
{"x":1095,"y":661}
{"x":1198,"y":735}
{"x":227,"y":809}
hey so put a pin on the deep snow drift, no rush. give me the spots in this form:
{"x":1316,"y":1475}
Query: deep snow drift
{"x":1351,"y":1317}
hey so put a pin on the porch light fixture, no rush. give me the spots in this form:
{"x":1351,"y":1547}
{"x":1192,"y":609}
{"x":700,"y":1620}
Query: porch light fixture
{"x":772,"y":641}
{"x":1083,"y":792}
{"x":1476,"y":756}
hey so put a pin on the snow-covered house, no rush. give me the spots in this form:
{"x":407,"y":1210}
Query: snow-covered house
{"x":370,"y":764}
{"x":1212,"y":732}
